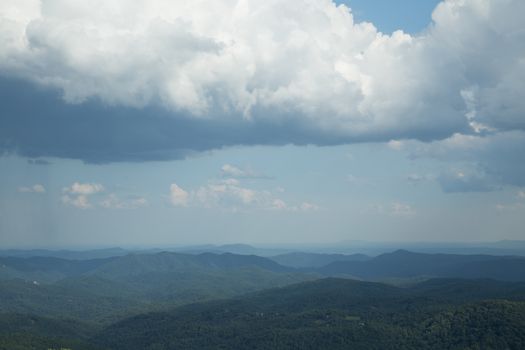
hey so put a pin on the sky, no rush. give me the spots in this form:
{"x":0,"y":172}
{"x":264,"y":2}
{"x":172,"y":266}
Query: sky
{"x":159,"y":122}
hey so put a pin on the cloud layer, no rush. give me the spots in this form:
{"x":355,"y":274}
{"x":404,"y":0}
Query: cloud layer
{"x":172,"y":77}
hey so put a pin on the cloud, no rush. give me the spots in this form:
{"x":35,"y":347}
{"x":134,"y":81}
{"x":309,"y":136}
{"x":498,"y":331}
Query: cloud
{"x":460,"y":181}
{"x":33,"y":189}
{"x":517,"y":205}
{"x":114,"y":202}
{"x":178,"y":197}
{"x":229,"y":194}
{"x":80,"y":201}
{"x":77,"y":195}
{"x":38,"y":162}
{"x":394,"y":209}
{"x":173,"y":80}
{"x":228,"y":170}
{"x":84,"y":188}
{"x":306,"y":206}
{"x":481,"y":163}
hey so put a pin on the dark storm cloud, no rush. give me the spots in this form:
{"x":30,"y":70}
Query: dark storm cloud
{"x":38,"y":162}
{"x":35,"y":122}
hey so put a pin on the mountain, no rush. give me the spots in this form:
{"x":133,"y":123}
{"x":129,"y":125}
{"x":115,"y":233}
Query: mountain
{"x":46,"y":269}
{"x":307,"y":260}
{"x":242,"y":249}
{"x":50,"y":269}
{"x":405,"y":264}
{"x":103,"y":290}
{"x":65,"y":254}
{"x":19,"y":332}
{"x":134,"y":264}
{"x":335,"y":314}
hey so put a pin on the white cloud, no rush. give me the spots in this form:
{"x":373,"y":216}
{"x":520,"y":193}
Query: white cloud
{"x":33,"y":189}
{"x":279,"y":204}
{"x":232,"y":171}
{"x":84,"y":188}
{"x":306,"y":206}
{"x":229,"y":194}
{"x":80,"y":201}
{"x":178,"y":197}
{"x":77,"y":195}
{"x":114,"y":202}
{"x":228,"y":170}
{"x":267,"y":61}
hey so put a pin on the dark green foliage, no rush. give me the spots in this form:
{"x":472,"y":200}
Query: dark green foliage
{"x":106,"y":290}
{"x":20,"y":332}
{"x":142,"y":301}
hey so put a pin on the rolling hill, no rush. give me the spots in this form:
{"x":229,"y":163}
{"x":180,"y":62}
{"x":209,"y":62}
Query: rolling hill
{"x":336,"y":314}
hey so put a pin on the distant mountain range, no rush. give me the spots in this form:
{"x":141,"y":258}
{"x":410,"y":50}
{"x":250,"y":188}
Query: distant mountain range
{"x":313,"y":260}
{"x":405,"y":264}
{"x":399,"y":264}
{"x":501,"y":248}
{"x":65,"y":254}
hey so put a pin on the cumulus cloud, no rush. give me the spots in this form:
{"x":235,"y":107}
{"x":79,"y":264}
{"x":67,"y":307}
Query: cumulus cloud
{"x":80,"y":201}
{"x":481,"y":163}
{"x":77,"y":195}
{"x":178,"y":197}
{"x":83,"y":188}
{"x":228,"y":170}
{"x":32,"y":189}
{"x":229,"y":194}
{"x":196,"y":76}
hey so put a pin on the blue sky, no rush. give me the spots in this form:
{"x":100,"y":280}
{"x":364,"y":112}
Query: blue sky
{"x":274,"y":126}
